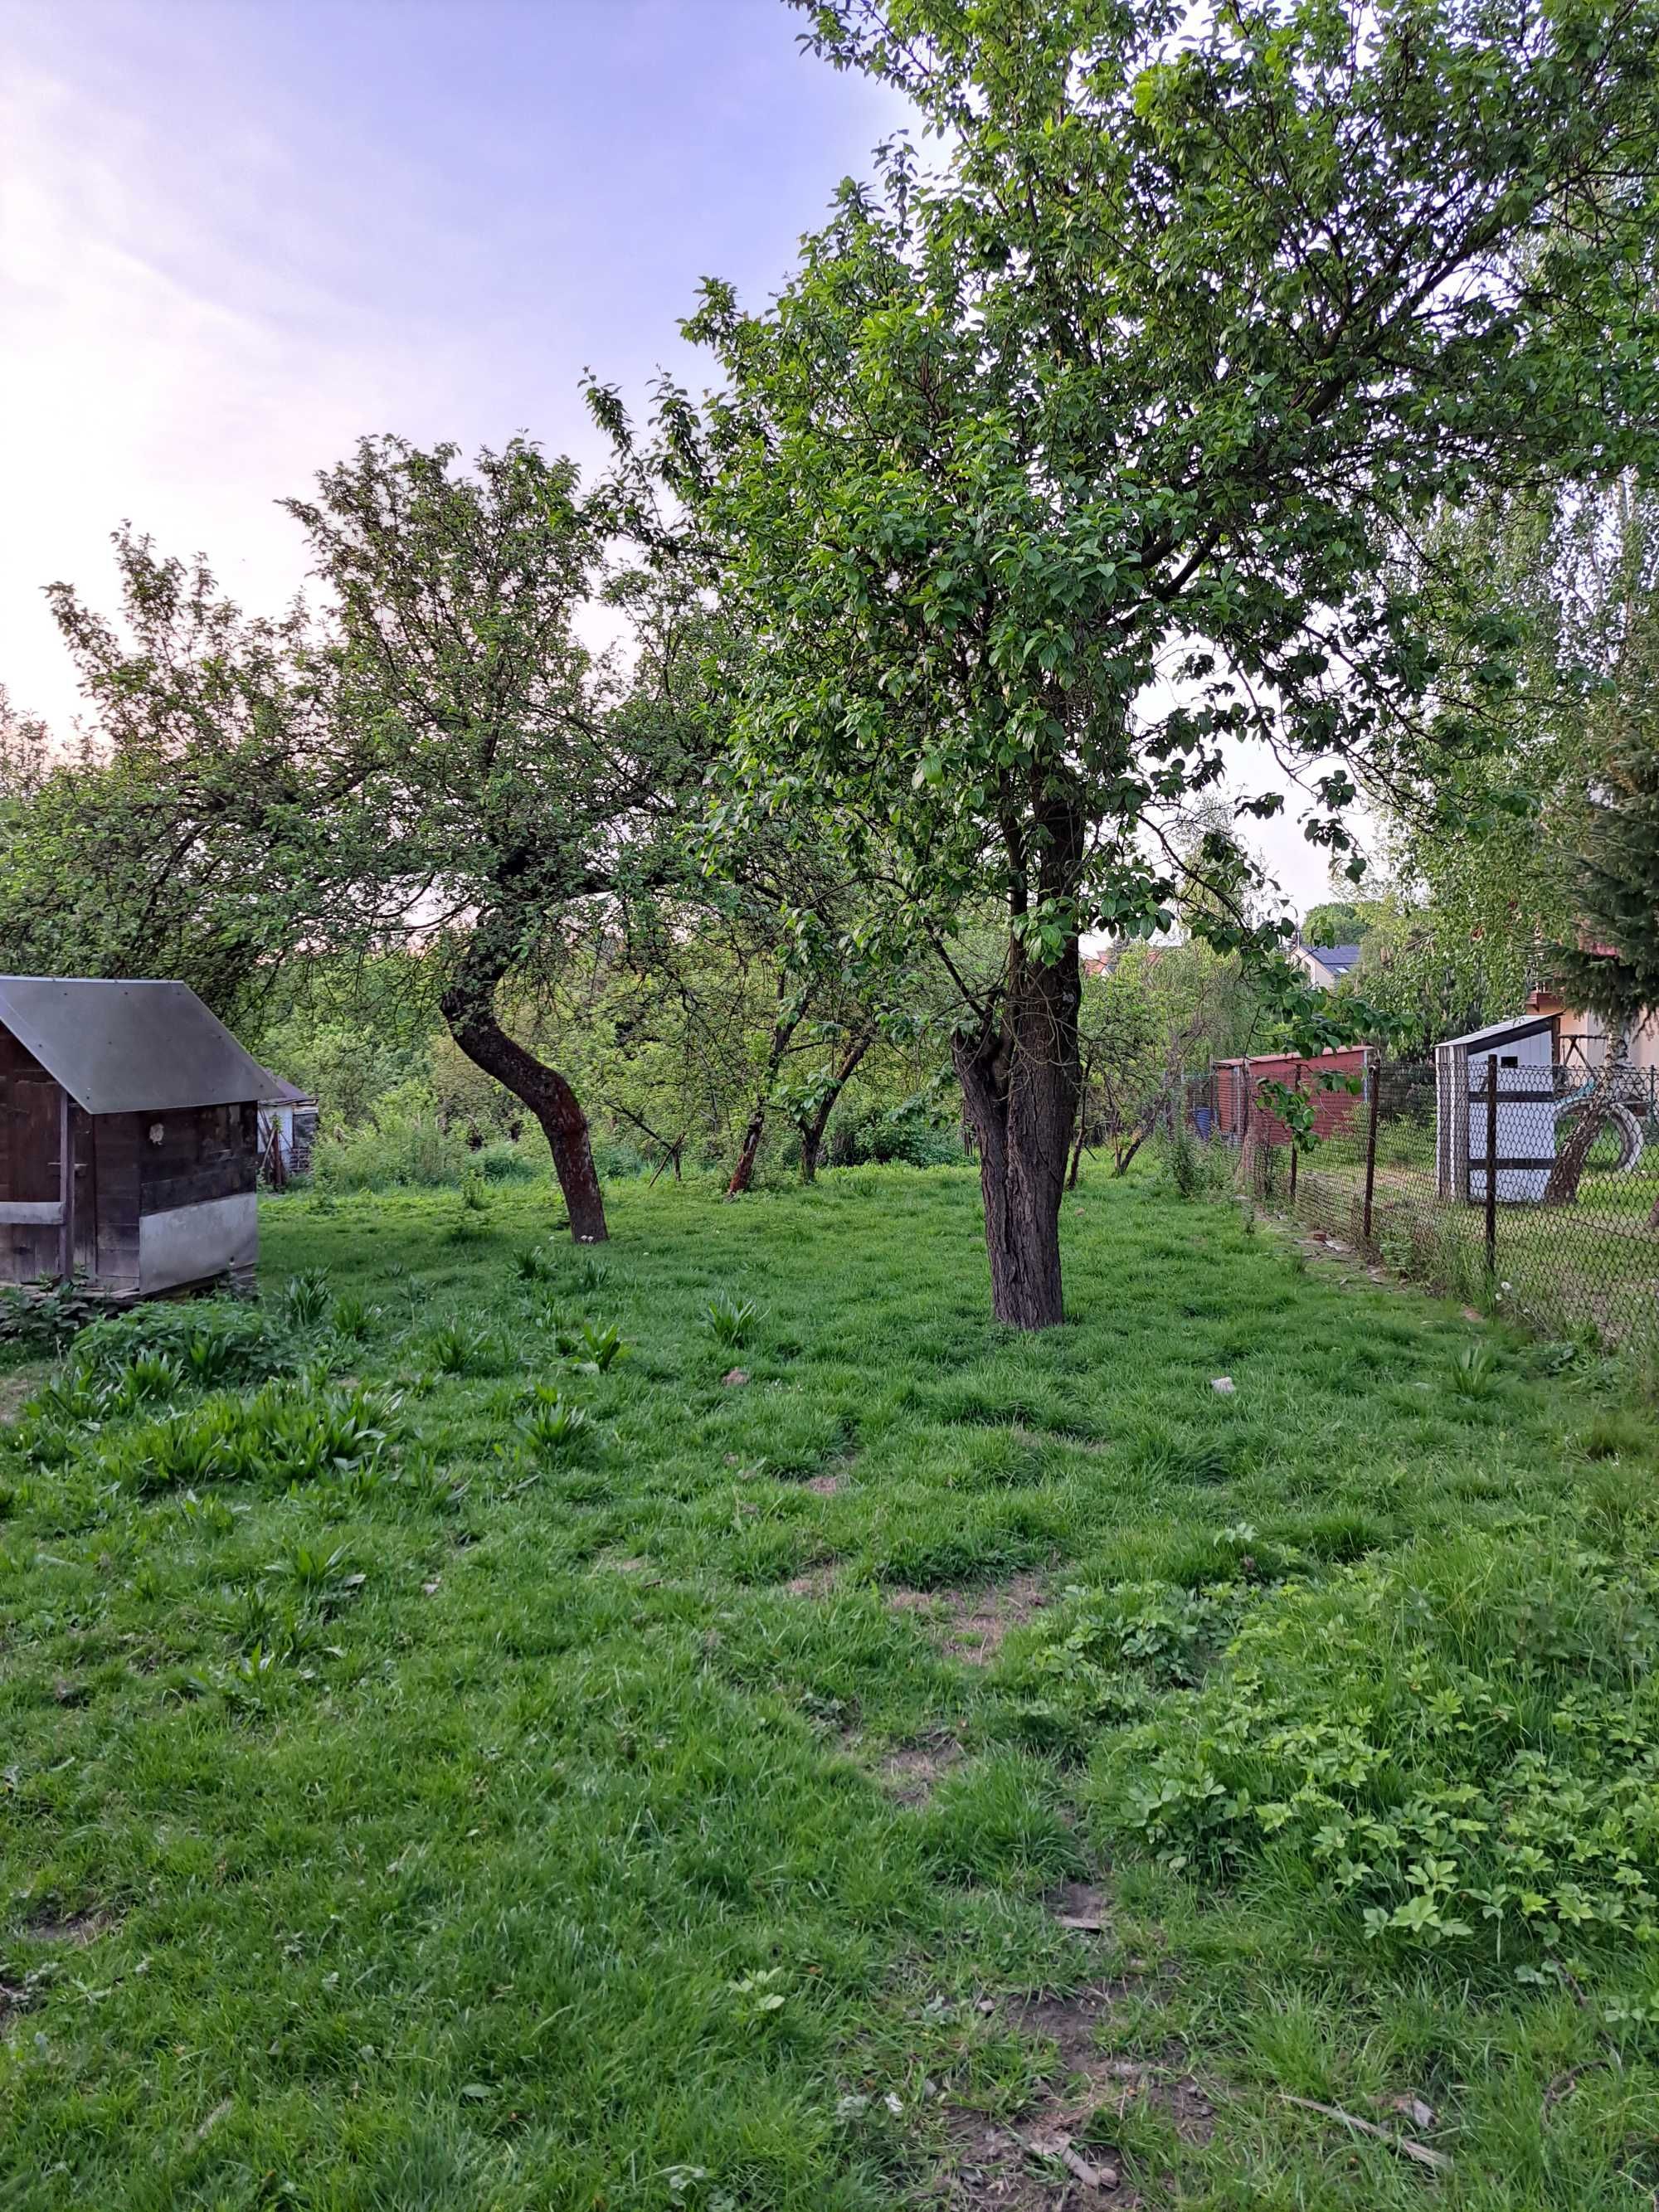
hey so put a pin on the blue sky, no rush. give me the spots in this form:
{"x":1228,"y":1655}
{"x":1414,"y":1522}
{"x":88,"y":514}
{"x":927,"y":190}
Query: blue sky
{"x":237,"y":234}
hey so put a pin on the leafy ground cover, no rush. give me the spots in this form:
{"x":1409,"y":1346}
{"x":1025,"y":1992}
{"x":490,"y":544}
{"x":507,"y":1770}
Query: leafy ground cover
{"x":716,"y":1724}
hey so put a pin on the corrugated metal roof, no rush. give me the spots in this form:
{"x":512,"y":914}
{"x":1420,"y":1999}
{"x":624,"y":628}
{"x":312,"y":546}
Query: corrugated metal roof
{"x":128,"y":1048}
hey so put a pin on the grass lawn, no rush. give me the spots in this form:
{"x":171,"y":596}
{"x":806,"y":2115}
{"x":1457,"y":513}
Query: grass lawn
{"x":872,"y":1760}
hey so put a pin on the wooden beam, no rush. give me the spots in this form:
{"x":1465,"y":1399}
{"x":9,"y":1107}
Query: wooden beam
{"x":65,"y":1186}
{"x":31,"y":1213}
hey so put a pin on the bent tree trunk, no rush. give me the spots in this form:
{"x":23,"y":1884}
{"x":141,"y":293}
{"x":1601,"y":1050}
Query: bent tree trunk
{"x":1019,"y":1084}
{"x":1565,"y":1178}
{"x":812,"y":1129}
{"x":469,"y":1008}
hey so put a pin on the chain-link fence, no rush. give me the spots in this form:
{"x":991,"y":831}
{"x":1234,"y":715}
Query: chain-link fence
{"x":1505,"y":1175}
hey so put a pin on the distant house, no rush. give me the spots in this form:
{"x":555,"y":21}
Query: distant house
{"x":1105,"y":962}
{"x":1324,"y":965}
{"x":1582,"y":1037}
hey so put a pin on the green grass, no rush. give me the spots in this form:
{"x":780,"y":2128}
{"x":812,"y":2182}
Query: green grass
{"x":433,"y":1800}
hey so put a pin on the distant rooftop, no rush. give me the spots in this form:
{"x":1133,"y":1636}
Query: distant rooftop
{"x":1339,"y":958}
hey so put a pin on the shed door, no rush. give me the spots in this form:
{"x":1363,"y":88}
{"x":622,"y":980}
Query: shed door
{"x":31,"y":1109}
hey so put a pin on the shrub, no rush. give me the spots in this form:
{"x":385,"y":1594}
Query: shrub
{"x":871,"y":1136}
{"x":400,"y":1145}
{"x":1196,"y":1167}
{"x":47,"y":1315}
{"x":505,"y":1162}
{"x":1456,"y":1748}
{"x":217,"y":1341}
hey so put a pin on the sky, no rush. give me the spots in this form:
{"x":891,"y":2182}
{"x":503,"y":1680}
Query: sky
{"x":235,"y":235}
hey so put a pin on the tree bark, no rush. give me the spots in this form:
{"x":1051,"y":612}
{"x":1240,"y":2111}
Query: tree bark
{"x":1082,"y":1127}
{"x":1565,"y":1178}
{"x":790,"y":1016}
{"x":749,"y":1152}
{"x":811,"y":1131}
{"x":469,"y":1008}
{"x":1019,"y":1085}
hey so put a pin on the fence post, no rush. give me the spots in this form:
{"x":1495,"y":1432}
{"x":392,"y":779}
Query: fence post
{"x":1492,"y":1164}
{"x":1371,"y":1147}
{"x":1296,"y":1149}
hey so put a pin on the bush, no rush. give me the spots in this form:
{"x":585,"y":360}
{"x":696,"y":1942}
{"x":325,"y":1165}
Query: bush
{"x":1196,"y":1167}
{"x":505,"y":1162}
{"x":214,"y":1342}
{"x":615,"y":1159}
{"x":871,"y":1136}
{"x":45,"y":1317}
{"x":400,"y":1145}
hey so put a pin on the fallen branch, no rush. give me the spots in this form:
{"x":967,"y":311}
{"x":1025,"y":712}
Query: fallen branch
{"x":1436,"y":2159}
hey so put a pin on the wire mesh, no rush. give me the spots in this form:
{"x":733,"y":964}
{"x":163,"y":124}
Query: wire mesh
{"x":1530,"y":1186}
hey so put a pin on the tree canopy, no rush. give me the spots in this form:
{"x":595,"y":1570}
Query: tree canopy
{"x":1060,"y":469}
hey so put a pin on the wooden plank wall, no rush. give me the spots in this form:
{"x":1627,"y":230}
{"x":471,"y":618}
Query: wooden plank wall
{"x":117,"y":1139}
{"x":28,"y":1157}
{"x":207,"y":1152}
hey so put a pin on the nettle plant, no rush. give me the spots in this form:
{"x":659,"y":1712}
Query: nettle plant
{"x":1455,"y":1748}
{"x":1072,"y":473}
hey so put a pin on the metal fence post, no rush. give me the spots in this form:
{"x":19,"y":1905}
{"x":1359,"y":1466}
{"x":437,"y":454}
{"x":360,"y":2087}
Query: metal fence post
{"x":1492,"y":1164}
{"x":1371,"y":1147}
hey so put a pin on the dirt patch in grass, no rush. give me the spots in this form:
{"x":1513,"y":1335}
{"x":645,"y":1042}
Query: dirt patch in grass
{"x":825,"y":1485}
{"x":1080,"y":1907}
{"x":912,"y":1771}
{"x":991,"y":2169}
{"x":973,"y":1623}
{"x":69,"y":1927}
{"x":816,"y":1582}
{"x":1084,"y":2082}
{"x":1053,"y":2154}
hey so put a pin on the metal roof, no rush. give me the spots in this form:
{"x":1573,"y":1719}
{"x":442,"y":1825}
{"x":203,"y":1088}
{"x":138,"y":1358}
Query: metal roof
{"x":130,"y":1047}
{"x":1518,"y":1026}
{"x":279,"y":1092}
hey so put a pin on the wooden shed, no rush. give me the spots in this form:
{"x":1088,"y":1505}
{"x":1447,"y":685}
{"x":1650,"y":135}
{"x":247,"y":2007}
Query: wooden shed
{"x":129,"y":1137}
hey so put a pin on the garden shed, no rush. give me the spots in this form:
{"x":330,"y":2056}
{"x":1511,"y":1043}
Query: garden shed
{"x":288,"y":1130}
{"x":129,"y":1136}
{"x":1516,"y":1059}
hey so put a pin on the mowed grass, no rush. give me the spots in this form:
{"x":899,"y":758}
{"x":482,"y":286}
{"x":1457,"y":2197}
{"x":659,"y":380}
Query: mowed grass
{"x":634,"y":1813}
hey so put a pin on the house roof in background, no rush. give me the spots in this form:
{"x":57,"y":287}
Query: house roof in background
{"x":131,"y":1047}
{"x":279,"y":1092}
{"x":1339,"y":958}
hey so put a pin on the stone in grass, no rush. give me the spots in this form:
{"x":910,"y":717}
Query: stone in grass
{"x":1223,"y":1386}
{"x":734,"y":1376}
